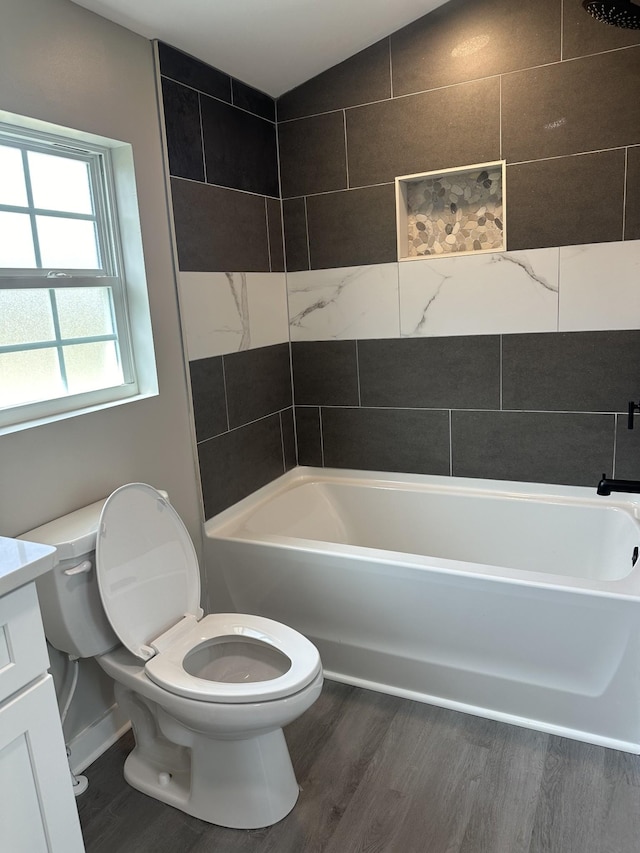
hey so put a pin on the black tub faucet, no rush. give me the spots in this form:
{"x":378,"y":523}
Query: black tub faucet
{"x":608,"y":485}
{"x":633,"y":408}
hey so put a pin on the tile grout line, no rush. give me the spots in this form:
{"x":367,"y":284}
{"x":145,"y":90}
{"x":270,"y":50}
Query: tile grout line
{"x":444,"y":408}
{"x":563,"y":156}
{"x":321,"y":435}
{"x":204,"y":159}
{"x":286,"y":296}
{"x":624,"y":191}
{"x":500,"y":380}
{"x":223,"y":187}
{"x":390,"y":67}
{"x":346,"y":146}
{"x":246,"y":424}
{"x":266,"y":222}
{"x":561,"y":30}
{"x":448,"y":85}
{"x":284,"y":460}
{"x":226,"y":396}
{"x":559,"y":277}
{"x":500,"y":120}
{"x":306,"y":225}
{"x":358,"y":375}
{"x":450,"y":443}
{"x":399,"y":300}
{"x":331,"y":192}
{"x":615,"y":444}
{"x":391,"y":182}
{"x":222,"y":100}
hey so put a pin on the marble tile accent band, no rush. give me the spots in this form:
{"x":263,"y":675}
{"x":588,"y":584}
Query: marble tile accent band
{"x":233,"y":311}
{"x":572,"y":288}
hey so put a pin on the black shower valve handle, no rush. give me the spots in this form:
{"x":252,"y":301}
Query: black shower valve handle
{"x":633,"y":408}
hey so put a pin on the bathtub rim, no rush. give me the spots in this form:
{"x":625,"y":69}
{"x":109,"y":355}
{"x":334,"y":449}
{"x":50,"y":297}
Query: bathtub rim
{"x":220,"y":526}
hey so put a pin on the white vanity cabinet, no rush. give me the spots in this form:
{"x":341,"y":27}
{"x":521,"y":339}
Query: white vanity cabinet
{"x":37,"y":808}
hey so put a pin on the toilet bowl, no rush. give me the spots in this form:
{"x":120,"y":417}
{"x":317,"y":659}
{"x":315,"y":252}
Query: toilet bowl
{"x":207,"y":696}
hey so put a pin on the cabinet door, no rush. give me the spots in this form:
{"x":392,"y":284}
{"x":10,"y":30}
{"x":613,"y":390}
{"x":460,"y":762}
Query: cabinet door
{"x":23,"y":651}
{"x":37,"y":808}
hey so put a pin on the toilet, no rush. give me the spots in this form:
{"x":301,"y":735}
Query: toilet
{"x":207,"y":696}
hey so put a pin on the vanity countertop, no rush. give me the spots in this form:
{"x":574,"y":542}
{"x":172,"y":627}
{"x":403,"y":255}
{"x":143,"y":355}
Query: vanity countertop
{"x":22,"y":562}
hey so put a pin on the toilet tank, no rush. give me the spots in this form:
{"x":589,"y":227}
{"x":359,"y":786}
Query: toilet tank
{"x":72,"y":614}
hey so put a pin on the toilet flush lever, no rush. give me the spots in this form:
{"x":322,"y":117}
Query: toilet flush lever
{"x":633,"y":408}
{"x":81,"y":569}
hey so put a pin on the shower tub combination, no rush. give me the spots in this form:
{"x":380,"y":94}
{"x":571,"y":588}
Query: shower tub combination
{"x":515,"y":601}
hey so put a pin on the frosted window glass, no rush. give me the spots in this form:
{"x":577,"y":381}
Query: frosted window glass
{"x":92,"y":366}
{"x":16,"y":241}
{"x":12,"y":186}
{"x":58,"y":183}
{"x":25,"y":317}
{"x":84,"y":312}
{"x":26,"y":377}
{"x":67,"y":243}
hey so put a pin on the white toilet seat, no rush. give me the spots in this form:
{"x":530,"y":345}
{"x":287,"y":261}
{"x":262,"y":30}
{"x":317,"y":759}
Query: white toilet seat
{"x":167,"y":670}
{"x":149,"y":582}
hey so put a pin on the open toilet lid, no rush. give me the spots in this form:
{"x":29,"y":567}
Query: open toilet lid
{"x":146,"y":567}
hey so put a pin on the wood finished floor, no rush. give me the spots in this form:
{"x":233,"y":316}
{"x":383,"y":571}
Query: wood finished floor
{"x":380,"y":774}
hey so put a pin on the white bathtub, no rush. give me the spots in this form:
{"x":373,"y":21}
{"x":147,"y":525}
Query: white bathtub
{"x":515,"y":601}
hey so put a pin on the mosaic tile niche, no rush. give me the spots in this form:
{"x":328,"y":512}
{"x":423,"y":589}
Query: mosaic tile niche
{"x":459,"y":211}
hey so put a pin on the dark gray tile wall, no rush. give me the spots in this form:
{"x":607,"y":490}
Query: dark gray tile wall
{"x":406,"y":440}
{"x":568,"y":371}
{"x":244,"y":422}
{"x":309,"y":437}
{"x":193,"y":73}
{"x":466,"y":41}
{"x":632,"y":208}
{"x":258,"y":381}
{"x":541,"y":408}
{"x":294,"y":215}
{"x":312,"y":155}
{"x":574,"y":104}
{"x":227,"y":210}
{"x":239,"y":148}
{"x":182,"y":128}
{"x":402,"y":136}
{"x":275,"y":234}
{"x":358,"y":80}
{"x":542,"y":85}
{"x":473,"y":81}
{"x":236,"y":463}
{"x":206,"y":225}
{"x":533,"y":223}
{"x":325,"y":372}
{"x":221,"y":138}
{"x":583,"y":35}
{"x":534,"y":446}
{"x":351,"y":228}
{"x":455,"y":372}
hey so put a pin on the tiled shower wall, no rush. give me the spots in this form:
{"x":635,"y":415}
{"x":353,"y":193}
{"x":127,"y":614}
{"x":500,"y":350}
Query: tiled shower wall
{"x":491,"y":366}
{"x":488,"y":366}
{"x":222,"y":153}
{"x":542,"y":85}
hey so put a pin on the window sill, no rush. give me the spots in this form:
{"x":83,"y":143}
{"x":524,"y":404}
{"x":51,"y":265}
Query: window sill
{"x":63,"y":416}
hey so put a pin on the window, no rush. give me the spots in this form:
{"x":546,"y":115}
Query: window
{"x":65,"y":341}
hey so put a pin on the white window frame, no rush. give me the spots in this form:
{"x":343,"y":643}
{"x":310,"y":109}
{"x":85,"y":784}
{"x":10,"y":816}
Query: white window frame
{"x":111,"y":170}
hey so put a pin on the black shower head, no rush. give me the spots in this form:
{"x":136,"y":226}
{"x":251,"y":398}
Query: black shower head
{"x":618,"y":13}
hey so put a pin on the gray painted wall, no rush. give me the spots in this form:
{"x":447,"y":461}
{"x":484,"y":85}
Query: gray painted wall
{"x":62,"y":64}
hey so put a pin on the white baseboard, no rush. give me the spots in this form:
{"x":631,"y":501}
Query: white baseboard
{"x":90,"y":743}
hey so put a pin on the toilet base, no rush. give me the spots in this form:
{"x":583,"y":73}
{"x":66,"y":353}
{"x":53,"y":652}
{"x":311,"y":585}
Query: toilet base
{"x":240,"y":784}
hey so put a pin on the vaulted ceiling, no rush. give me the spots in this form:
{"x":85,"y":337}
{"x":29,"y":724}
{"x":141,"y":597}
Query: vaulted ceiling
{"x":272,"y":45}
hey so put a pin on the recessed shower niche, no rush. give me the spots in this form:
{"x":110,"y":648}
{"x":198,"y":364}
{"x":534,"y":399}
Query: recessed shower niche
{"x":451,"y":211}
